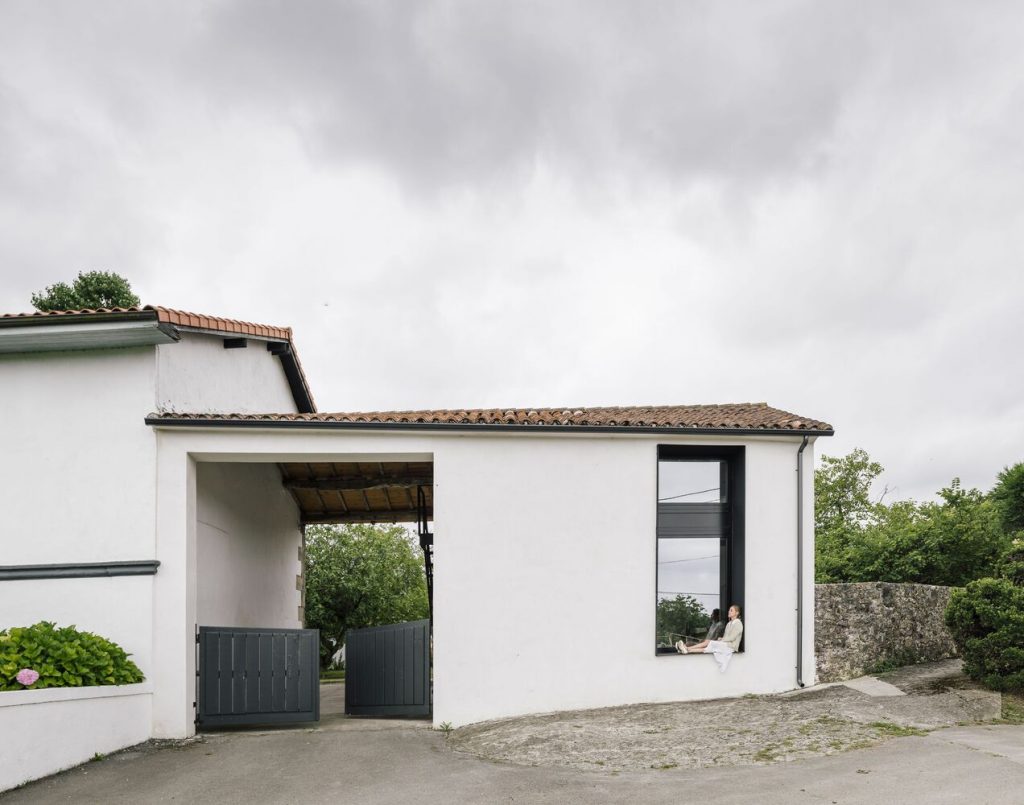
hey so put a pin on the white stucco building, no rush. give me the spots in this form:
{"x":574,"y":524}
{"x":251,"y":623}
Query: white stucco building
{"x":159,"y":466}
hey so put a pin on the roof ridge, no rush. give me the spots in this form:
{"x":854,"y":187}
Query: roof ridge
{"x":178,"y":312}
{"x":707,"y":417}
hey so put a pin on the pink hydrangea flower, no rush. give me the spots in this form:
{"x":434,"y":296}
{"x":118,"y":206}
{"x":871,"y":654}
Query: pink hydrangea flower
{"x":27,"y":677}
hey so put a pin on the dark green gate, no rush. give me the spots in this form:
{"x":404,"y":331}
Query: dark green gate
{"x":387,"y":670}
{"x":257,"y":676}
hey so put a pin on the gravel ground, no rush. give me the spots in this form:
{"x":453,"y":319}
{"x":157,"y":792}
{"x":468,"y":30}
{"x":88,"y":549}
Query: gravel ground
{"x":752,"y":730}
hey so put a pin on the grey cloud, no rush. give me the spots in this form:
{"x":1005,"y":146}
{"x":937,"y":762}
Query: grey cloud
{"x":446,"y":93}
{"x":64,"y":200}
{"x":842,"y":185}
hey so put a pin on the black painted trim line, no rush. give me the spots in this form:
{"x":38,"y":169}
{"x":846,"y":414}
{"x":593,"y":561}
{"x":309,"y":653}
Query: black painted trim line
{"x":78,"y":570}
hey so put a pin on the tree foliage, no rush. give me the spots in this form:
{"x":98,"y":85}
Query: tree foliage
{"x":682,"y":616}
{"x":90,"y":290}
{"x":359,"y":576}
{"x":842,"y":510}
{"x":950,"y":542}
{"x":842,"y":491}
{"x":1008,"y":496}
{"x":1011,"y":564}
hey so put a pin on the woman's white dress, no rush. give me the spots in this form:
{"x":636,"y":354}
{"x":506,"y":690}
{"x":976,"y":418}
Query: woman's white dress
{"x":722,"y":652}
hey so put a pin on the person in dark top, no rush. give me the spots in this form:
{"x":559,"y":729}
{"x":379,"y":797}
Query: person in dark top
{"x":717,"y":628}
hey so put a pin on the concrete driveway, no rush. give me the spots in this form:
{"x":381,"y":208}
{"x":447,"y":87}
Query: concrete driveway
{"x":394,"y":762}
{"x":387,"y":761}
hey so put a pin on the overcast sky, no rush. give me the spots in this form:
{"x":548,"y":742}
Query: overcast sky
{"x":817,"y":205}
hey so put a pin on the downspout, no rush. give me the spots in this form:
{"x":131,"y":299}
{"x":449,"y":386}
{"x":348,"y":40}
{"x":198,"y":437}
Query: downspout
{"x":800,"y":563}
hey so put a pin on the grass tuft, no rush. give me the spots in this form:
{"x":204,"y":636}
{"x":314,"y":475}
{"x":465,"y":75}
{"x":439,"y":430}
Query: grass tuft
{"x":895,"y":730}
{"x":1013,"y":709}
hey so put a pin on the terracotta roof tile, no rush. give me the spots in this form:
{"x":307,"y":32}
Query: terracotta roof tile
{"x":198,"y":321}
{"x":176,"y":318}
{"x":42,"y":314}
{"x":739,"y":416}
{"x":165,"y":315}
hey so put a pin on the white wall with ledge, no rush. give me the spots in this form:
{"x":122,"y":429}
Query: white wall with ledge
{"x":76,"y":480}
{"x":46,"y":731}
{"x":119,"y":608}
{"x":545,"y":566}
{"x":79,"y":481}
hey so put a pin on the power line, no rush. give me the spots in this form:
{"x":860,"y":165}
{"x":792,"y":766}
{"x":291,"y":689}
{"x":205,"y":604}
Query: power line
{"x":688,"y":494}
{"x":694,"y":559}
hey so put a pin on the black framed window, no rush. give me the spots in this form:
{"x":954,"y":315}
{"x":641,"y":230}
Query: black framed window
{"x":699,"y":540}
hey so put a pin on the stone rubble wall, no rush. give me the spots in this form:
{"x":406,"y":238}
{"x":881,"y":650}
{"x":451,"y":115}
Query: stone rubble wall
{"x":858,"y":626}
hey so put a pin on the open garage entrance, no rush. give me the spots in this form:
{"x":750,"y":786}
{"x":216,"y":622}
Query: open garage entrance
{"x":256,"y":663}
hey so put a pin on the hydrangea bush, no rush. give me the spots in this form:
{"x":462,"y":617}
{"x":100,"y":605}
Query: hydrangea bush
{"x":45,"y":656}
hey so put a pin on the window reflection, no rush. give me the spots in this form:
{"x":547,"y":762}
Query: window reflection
{"x":691,"y":482}
{"x":692,"y":535}
{"x":688,"y":588}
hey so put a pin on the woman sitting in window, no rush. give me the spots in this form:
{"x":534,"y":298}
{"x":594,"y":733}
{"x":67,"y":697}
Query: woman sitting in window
{"x":722,"y":649}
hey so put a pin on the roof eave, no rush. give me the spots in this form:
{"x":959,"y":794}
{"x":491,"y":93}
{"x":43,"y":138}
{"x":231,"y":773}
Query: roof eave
{"x":119,"y":330}
{"x":62,"y":319}
{"x":305,"y":424}
{"x":128,"y":328}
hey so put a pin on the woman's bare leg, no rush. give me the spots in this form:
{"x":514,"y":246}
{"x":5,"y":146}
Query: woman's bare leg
{"x":703,"y":644}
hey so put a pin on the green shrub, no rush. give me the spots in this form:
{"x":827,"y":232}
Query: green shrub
{"x":986,"y":619}
{"x":1011,"y":564}
{"x":63,"y":657}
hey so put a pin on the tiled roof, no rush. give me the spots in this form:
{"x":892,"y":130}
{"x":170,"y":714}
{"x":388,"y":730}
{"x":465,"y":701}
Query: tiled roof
{"x":165,"y":315}
{"x":176,"y":318}
{"x":740,"y":416}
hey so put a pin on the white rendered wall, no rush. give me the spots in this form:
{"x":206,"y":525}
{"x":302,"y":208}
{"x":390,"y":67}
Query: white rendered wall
{"x":76,"y":479}
{"x":545,"y":579}
{"x":77,"y":484}
{"x":198,"y":375}
{"x":45,"y":731}
{"x":79,"y":480}
{"x":544,"y":566}
{"x":247,"y":547}
{"x":119,"y":608}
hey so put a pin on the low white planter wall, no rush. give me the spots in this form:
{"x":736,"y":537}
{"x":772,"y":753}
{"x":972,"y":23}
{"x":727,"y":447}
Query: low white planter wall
{"x":45,"y":731}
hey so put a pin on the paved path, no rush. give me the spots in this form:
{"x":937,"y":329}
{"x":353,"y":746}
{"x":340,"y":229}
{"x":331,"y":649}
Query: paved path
{"x":750,"y":730}
{"x":379,"y":762}
{"x":384,"y":762}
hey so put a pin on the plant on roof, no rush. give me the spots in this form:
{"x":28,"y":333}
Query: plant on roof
{"x":62,"y":657}
{"x":90,"y":290}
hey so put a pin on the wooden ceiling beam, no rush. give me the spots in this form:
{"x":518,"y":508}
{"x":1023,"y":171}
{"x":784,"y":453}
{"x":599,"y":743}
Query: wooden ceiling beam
{"x":394,"y":516}
{"x":343,"y":483}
